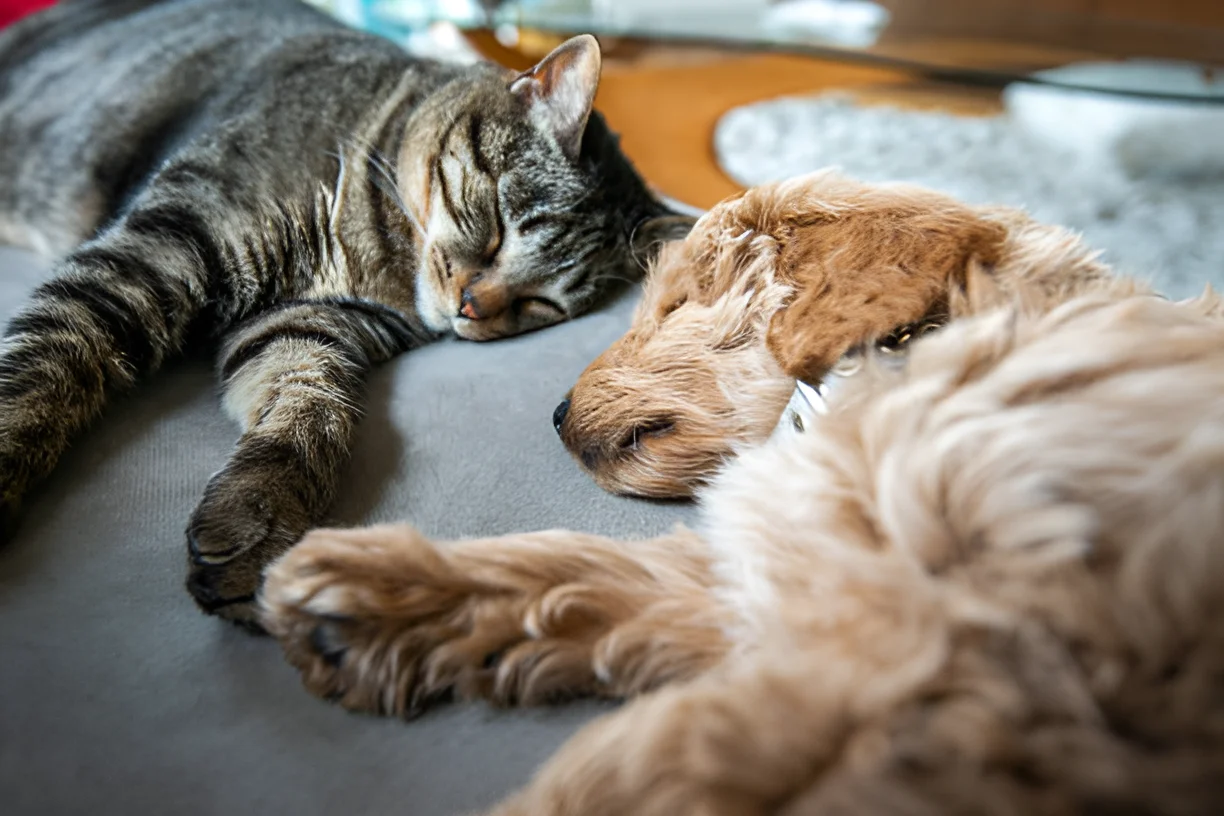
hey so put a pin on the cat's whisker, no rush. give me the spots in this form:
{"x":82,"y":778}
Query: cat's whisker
{"x":341,"y":177}
{"x":613,"y":277}
{"x":385,"y":180}
{"x":391,"y":189}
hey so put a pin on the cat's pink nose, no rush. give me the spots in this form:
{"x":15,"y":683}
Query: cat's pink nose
{"x":482,"y":301}
{"x":468,"y":306}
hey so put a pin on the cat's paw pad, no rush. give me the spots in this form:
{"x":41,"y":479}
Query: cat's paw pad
{"x":242,"y":524}
{"x":379,"y":621}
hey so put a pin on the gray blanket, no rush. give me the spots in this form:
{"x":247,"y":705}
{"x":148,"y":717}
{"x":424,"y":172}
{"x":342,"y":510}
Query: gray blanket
{"x":118,"y":696}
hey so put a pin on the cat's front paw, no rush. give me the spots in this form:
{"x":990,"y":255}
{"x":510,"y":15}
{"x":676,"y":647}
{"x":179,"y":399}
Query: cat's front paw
{"x":381,"y":621}
{"x":246,"y":519}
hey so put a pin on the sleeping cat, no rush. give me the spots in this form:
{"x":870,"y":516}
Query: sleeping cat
{"x":312,"y":200}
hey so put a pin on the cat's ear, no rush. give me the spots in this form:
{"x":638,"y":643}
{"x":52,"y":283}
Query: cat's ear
{"x":561,"y":90}
{"x":652,"y":233}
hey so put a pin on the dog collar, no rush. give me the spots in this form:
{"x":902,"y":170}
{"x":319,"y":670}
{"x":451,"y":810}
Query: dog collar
{"x":806,"y":403}
{"x":809,"y":401}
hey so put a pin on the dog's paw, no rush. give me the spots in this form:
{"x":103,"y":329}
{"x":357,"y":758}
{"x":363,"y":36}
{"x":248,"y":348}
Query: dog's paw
{"x":382,"y":622}
{"x":245,"y":520}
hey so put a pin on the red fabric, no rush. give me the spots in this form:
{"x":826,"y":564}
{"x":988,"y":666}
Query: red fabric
{"x":13,"y":10}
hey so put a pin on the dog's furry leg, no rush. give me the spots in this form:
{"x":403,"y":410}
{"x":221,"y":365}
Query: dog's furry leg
{"x":382,"y":620}
{"x":792,"y":733}
{"x":739,"y":744}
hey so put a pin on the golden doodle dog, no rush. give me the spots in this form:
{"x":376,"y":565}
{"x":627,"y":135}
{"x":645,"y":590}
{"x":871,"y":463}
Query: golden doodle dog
{"x":988,"y":580}
{"x":813,"y":267}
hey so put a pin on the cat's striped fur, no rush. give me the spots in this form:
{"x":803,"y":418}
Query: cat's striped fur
{"x":309,"y":199}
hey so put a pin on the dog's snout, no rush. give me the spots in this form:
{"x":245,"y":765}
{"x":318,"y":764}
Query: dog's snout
{"x":559,"y":414}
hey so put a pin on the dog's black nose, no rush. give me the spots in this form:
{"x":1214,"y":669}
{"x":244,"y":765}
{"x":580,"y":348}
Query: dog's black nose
{"x":559,"y":414}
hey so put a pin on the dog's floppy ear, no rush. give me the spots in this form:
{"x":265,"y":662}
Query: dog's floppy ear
{"x":858,"y":278}
{"x":979,"y":293}
{"x":809,"y":335}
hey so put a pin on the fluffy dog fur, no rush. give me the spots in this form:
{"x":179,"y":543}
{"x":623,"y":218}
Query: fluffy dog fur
{"x":986,"y":582}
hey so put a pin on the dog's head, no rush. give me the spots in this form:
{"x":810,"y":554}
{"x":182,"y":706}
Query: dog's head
{"x":771,"y":286}
{"x":690,"y":379}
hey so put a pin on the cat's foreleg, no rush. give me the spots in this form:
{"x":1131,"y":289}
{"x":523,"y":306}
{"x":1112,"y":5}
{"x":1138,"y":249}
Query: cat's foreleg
{"x":385,"y":621}
{"x":114,"y":310}
{"x":293,"y":378}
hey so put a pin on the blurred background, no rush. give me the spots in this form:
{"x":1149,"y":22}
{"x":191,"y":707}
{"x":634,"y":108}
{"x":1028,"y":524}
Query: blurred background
{"x":1102,"y":115}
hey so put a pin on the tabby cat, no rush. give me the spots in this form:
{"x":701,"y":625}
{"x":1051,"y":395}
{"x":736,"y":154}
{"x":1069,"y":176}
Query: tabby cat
{"x":310,"y":199}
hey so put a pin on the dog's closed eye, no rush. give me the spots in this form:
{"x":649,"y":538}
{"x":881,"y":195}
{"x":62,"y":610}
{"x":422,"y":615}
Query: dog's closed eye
{"x":645,"y":430}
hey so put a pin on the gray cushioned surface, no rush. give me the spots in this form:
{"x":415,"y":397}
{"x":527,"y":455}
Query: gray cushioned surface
{"x":119,"y":697}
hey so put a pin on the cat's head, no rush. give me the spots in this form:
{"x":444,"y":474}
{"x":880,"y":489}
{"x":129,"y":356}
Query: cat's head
{"x":529,"y":210}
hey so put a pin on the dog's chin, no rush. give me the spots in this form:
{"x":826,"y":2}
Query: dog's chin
{"x":660,"y":488}
{"x":661,"y":477}
{"x":654,"y":486}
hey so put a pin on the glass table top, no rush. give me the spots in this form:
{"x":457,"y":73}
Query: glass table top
{"x":988,"y":42}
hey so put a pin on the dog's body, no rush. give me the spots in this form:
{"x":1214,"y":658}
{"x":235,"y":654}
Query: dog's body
{"x":988,"y":581}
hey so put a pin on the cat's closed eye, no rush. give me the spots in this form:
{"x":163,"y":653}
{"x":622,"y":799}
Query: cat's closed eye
{"x":489,"y":256}
{"x":494,"y":245}
{"x":539,"y":307}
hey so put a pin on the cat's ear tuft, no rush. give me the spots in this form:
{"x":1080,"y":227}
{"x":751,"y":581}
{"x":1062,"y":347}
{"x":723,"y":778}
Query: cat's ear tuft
{"x":560,"y":91}
{"x":652,"y":233}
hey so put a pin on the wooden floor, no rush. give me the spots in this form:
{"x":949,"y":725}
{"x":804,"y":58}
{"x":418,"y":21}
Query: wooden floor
{"x":665,"y":103}
{"x":667,"y":114}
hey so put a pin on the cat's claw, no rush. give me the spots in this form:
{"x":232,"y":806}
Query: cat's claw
{"x":239,"y":527}
{"x":229,"y":589}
